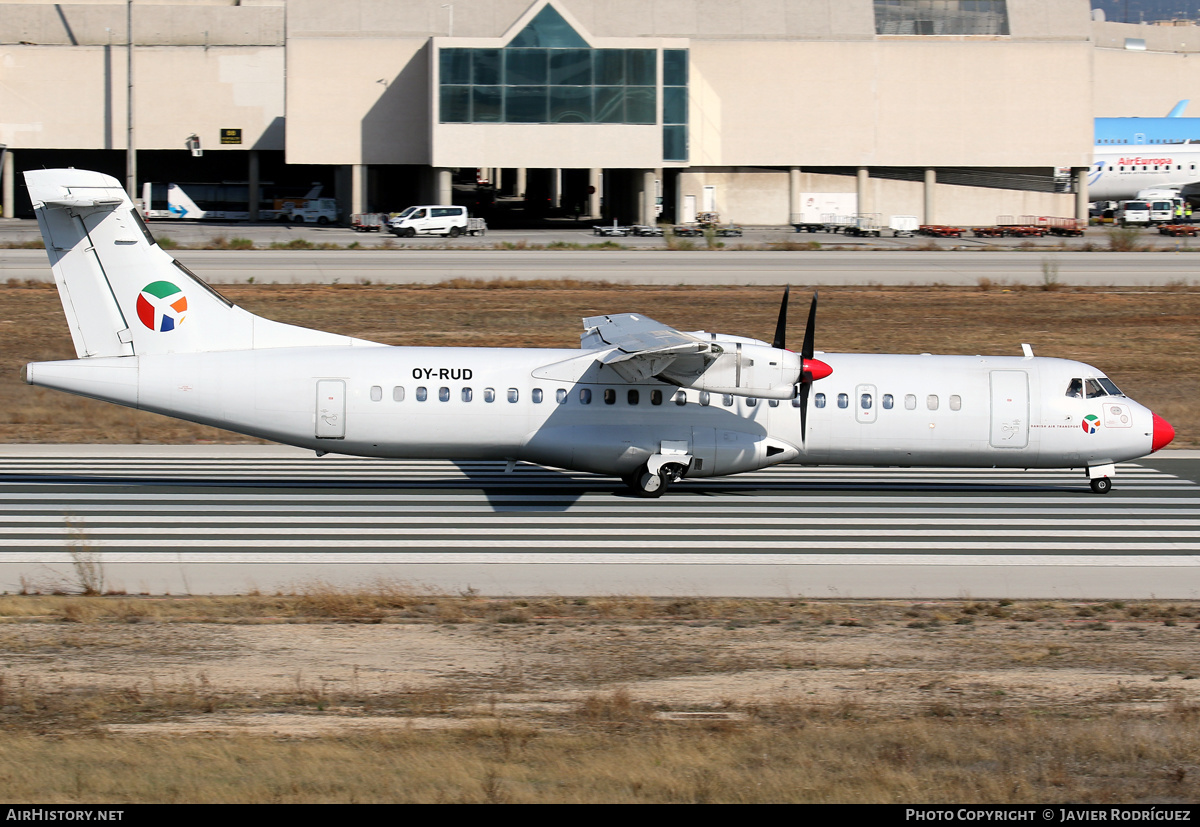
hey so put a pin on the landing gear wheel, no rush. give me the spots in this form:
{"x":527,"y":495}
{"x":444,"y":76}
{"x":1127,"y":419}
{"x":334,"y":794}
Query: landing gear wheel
{"x":652,"y":485}
{"x":1101,"y":485}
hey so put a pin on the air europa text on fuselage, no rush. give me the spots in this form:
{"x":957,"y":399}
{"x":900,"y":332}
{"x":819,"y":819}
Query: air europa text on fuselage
{"x":442,"y":373}
{"x":1145,"y":161}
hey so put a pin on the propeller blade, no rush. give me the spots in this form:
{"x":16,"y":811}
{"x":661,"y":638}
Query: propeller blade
{"x":810,"y":330}
{"x":806,"y":374}
{"x":804,"y":388}
{"x":781,"y":325}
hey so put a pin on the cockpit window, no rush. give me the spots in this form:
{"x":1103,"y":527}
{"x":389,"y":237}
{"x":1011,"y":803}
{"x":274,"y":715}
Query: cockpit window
{"x":1092,"y":388}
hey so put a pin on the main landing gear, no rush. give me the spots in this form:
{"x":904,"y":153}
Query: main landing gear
{"x":1101,"y":477}
{"x":654,"y":478}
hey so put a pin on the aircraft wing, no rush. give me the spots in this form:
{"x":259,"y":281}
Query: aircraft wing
{"x":642,"y":347}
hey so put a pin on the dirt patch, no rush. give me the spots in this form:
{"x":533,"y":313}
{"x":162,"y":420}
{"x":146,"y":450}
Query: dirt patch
{"x":295,"y":699}
{"x":317,"y":675}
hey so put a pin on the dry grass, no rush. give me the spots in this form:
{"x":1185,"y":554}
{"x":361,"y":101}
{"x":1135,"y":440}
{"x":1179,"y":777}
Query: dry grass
{"x":1144,"y":340}
{"x":827,"y":701}
{"x":928,"y":761}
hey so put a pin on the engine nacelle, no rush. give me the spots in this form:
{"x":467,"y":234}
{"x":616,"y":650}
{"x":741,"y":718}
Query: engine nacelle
{"x":740,"y":369}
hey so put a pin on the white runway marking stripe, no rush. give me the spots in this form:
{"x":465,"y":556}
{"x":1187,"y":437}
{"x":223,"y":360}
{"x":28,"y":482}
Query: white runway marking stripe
{"x":580,"y":558}
{"x":504,"y":521}
{"x":376,"y":511}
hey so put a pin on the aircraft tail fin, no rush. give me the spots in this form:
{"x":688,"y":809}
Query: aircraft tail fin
{"x":122,"y":293}
{"x":1177,"y":111}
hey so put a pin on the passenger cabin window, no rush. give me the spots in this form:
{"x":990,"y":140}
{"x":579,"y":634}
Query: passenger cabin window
{"x":888,"y":401}
{"x":489,"y":394}
{"x":560,"y":396}
{"x":513,"y":395}
{"x":680,"y":398}
{"x":466,"y":394}
{"x":774,"y":403}
{"x":376,"y":393}
{"x":818,"y":400}
{"x":727,"y":400}
{"x":751,"y":401}
{"x":537,"y":396}
{"x":705,"y":398}
{"x":910,"y":402}
{"x":610,"y":396}
{"x":955,"y":402}
{"x":632,"y":397}
{"x":585,"y":396}
{"x":422,"y":394}
{"x":443,"y":394}
{"x":931,"y":402}
{"x":398,"y":393}
{"x":843,"y":400}
{"x":656,"y":397}
{"x":865,"y":401}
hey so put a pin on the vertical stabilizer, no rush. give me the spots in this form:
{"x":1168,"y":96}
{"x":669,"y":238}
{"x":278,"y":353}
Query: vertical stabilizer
{"x":122,"y":293}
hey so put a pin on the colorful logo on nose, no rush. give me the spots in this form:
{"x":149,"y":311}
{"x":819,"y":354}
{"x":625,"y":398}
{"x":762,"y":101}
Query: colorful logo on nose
{"x":161,"y":306}
{"x":1091,"y":424}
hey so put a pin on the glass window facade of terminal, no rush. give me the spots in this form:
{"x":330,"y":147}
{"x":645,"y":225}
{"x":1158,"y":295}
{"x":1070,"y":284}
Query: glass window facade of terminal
{"x":934,"y":17}
{"x":548,"y":74}
{"x":675,"y":104}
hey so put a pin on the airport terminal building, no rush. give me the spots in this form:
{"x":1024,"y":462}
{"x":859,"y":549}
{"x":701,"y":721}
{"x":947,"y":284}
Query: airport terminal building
{"x":954,"y":111}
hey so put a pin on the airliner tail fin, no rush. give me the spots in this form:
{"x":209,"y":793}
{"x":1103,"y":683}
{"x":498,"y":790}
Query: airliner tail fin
{"x":122,"y":293}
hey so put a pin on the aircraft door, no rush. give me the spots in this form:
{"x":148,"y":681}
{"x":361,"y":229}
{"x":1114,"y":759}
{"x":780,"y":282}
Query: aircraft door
{"x":331,"y":409}
{"x":865,"y":402}
{"x":1010,"y":409}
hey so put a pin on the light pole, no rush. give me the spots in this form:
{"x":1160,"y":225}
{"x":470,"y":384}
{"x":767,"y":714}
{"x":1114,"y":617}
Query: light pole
{"x":130,"y":152}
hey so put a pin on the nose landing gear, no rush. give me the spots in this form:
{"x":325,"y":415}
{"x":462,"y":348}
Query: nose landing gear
{"x":1101,"y":477}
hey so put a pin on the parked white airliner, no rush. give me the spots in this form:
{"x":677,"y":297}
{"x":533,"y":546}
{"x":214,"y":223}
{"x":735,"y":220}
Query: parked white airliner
{"x":1146,"y":158}
{"x":639,"y":400}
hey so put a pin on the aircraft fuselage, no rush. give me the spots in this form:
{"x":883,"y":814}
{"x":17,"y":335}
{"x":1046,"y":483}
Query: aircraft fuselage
{"x":562,"y":408}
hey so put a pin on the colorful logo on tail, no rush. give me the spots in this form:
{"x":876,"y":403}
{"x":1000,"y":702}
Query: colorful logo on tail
{"x":1091,"y":424}
{"x":161,"y":306}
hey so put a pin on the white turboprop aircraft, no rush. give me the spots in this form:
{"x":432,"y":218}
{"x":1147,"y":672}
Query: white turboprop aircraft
{"x":640,"y":400}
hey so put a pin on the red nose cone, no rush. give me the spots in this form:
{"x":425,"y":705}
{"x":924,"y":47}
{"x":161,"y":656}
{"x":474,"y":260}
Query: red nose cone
{"x":1163,"y":433}
{"x":820,"y":370}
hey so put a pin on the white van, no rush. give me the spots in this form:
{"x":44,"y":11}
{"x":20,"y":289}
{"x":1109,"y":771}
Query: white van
{"x":1162,"y":212}
{"x":436,"y":219}
{"x":1133,"y":212}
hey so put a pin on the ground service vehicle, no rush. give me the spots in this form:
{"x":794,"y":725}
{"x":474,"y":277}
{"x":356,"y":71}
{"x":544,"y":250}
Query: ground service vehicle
{"x":1133,"y":212}
{"x":436,"y":219}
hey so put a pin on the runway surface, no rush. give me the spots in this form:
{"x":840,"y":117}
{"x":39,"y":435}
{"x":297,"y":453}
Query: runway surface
{"x":731,"y":267}
{"x":226,"y":520}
